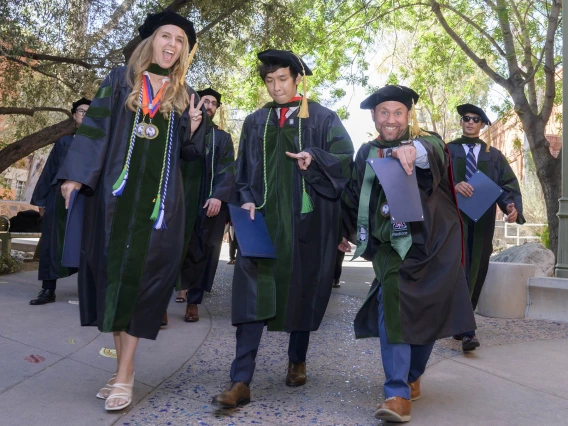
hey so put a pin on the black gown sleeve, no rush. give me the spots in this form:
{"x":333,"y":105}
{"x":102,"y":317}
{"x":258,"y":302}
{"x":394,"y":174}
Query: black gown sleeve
{"x":224,"y":171}
{"x":86,"y":156}
{"x":44,"y":183}
{"x":330,"y":169}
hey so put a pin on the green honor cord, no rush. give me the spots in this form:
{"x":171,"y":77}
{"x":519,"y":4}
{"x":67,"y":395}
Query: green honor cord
{"x":307,"y":203}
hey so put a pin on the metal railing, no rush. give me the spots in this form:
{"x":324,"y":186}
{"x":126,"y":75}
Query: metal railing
{"x":517,"y":237}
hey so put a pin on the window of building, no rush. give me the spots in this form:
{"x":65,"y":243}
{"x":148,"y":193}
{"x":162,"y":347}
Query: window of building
{"x":20,"y":186}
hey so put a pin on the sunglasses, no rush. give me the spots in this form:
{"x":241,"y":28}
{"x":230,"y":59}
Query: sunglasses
{"x":81,"y":111}
{"x":468,"y":118}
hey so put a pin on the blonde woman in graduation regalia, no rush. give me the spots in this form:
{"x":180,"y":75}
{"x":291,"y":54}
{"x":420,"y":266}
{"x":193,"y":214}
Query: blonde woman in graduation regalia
{"x":143,"y":124}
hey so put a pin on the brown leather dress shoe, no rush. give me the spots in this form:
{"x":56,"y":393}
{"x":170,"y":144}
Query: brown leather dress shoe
{"x":191,"y":313}
{"x":296,"y":374}
{"x":237,"y":393}
{"x":414,"y":390}
{"x":395,"y":409}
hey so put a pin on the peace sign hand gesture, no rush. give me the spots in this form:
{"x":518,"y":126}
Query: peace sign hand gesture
{"x":195,"y":113}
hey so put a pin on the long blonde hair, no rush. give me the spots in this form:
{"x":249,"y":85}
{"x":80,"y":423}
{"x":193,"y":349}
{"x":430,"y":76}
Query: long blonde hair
{"x":175,"y":96}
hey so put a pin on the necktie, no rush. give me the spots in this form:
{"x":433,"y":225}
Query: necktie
{"x":283,"y":112}
{"x":470,"y":162}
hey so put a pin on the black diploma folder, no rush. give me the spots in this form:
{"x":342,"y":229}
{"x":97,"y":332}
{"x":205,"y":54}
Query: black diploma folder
{"x":252,"y":235}
{"x":485,"y":193}
{"x":400,"y":189}
{"x":73,"y":231}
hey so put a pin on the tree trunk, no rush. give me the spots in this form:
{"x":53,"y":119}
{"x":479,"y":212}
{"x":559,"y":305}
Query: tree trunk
{"x":25,"y":146}
{"x":548,"y":170}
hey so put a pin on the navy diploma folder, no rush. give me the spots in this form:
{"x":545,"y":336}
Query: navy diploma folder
{"x":73,"y":231}
{"x":485,"y":193}
{"x":252,"y":235}
{"x":400,"y":189}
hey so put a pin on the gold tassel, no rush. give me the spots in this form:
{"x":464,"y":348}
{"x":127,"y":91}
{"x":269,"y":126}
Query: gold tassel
{"x":415,"y":129}
{"x":488,"y":142}
{"x":188,"y":63}
{"x":222,"y":124}
{"x":304,"y":111}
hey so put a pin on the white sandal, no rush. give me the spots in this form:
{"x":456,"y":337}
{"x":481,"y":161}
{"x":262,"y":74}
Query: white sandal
{"x":127,"y":395}
{"x":105,"y":390}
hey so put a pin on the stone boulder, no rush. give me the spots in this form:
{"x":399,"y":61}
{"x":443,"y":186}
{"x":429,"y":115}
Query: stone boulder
{"x":531,"y":253}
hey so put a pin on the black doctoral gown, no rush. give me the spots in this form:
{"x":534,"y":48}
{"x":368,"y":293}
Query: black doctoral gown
{"x":291,"y":292}
{"x":478,"y":235}
{"x":218,"y":182}
{"x":53,"y":222}
{"x":425,"y":294}
{"x":128,"y":269}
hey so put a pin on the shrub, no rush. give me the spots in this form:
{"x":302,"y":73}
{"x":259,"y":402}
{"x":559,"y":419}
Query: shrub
{"x":9,"y":265}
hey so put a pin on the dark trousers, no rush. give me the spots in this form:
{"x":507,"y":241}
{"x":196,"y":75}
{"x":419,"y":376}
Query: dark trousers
{"x":248,"y":341}
{"x":232,"y":245}
{"x":49,"y":284}
{"x":338,"y":266}
{"x":469,"y":251}
{"x":195,"y":296}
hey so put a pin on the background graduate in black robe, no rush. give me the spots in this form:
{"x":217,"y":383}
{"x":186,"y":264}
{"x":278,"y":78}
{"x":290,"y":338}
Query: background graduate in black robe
{"x":127,"y":158}
{"x":294,"y":161}
{"x":469,"y":154}
{"x":52,"y":208}
{"x":217,"y":189}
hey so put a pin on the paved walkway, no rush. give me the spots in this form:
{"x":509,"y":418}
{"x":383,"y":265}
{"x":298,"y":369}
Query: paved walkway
{"x":51,"y":368}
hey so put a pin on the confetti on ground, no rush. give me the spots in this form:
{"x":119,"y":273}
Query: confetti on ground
{"x":73,"y":302}
{"x":72,"y":341}
{"x":34,"y":359}
{"x":109,"y":353}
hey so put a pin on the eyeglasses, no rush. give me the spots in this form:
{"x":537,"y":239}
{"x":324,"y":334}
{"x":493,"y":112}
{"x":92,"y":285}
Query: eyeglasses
{"x":81,"y":111}
{"x":468,"y":118}
{"x":208,"y":102}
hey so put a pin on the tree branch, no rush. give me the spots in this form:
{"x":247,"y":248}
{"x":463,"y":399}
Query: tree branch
{"x":527,"y":60}
{"x":18,"y":61}
{"x":477,"y":27}
{"x":44,"y":57}
{"x":508,"y":42}
{"x":28,"y":144}
{"x":481,"y":63}
{"x":31,"y":111}
{"x":112,"y":22}
{"x":550,"y":84}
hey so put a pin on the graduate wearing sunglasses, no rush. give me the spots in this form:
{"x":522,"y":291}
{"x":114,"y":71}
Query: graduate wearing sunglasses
{"x":469,"y":154}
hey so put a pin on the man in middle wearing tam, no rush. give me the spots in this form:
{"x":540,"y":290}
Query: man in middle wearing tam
{"x":217,"y":186}
{"x":420,"y":292}
{"x":294,"y":161}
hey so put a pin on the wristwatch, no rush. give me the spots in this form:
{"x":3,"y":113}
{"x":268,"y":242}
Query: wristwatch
{"x":388,"y":151}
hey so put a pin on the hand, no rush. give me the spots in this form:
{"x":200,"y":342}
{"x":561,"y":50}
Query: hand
{"x":195,"y":113}
{"x":251,"y":208}
{"x":213,"y":205}
{"x":67,"y":188}
{"x":304,"y":159}
{"x":511,"y":213}
{"x":344,"y":246}
{"x":406,"y":154}
{"x":464,"y":189}
{"x":41,"y":211}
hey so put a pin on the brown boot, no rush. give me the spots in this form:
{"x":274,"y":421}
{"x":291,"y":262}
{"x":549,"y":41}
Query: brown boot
{"x":414,"y":390}
{"x":296,"y":374}
{"x":237,"y":393}
{"x":395,"y":409}
{"x":165,"y":320}
{"x":191,"y":313}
